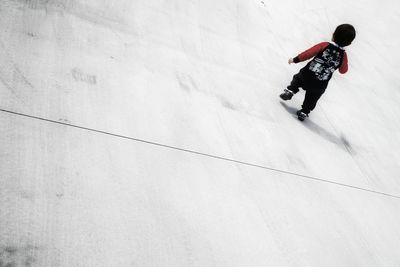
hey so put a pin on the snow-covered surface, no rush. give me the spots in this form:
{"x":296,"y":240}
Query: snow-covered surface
{"x":150,"y":133}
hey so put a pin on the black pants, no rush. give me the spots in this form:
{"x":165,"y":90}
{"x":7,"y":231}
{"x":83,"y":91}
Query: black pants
{"x":313,"y":91}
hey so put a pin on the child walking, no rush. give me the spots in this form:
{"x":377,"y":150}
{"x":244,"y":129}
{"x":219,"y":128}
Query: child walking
{"x":315,"y":76}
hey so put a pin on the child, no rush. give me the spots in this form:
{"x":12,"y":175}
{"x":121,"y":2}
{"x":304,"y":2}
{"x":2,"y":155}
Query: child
{"x":314,"y":77}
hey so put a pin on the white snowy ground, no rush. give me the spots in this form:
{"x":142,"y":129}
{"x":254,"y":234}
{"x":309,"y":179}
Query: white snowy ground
{"x":150,"y":133}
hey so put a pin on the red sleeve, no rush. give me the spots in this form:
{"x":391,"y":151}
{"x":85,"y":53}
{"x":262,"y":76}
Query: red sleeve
{"x":344,"y":67}
{"x":312,"y":52}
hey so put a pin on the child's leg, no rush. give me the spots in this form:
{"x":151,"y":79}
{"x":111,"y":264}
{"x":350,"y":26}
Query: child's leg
{"x":311,"y":99}
{"x":297,"y":82}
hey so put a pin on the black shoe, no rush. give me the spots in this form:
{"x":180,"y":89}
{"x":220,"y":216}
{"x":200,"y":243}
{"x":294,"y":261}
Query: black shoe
{"x":301,"y":115}
{"x":286,"y":95}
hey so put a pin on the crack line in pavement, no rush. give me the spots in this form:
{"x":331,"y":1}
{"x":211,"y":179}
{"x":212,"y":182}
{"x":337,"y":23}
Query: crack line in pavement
{"x":200,"y":153}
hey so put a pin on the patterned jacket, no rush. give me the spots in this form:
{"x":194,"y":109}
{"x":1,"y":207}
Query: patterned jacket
{"x":327,"y":57}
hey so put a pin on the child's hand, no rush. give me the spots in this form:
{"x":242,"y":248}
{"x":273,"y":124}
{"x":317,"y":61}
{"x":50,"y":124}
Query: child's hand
{"x":290,"y":61}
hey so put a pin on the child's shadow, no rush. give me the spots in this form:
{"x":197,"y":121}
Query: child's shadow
{"x":315,"y":128}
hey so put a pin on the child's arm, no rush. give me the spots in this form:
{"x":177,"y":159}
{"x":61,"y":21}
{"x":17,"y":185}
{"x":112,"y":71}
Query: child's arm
{"x":344,"y":67}
{"x":309,"y":53}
